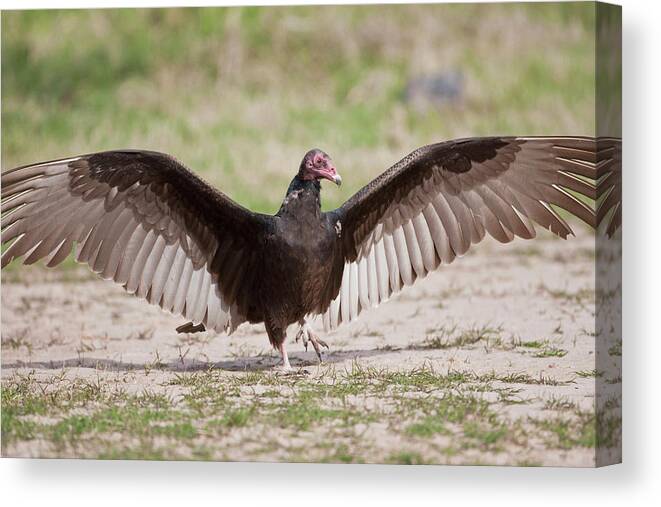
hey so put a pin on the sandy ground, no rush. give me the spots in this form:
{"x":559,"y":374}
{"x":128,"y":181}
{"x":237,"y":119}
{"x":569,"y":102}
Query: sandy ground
{"x":516,"y":321}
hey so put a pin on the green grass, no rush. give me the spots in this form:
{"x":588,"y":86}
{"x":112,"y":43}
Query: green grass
{"x":551,"y":352}
{"x":306,"y":411}
{"x":567,"y":433}
{"x":590,"y":373}
{"x":428,"y":427}
{"x":559,"y":403}
{"x":484,"y":436}
{"x":542,"y":348}
{"x":615,"y":350}
{"x":533,"y":344}
{"x":236,"y":418}
{"x":406,"y":458}
{"x":450,"y":337}
{"x":16,"y":342}
{"x":522,"y":378}
{"x":216,"y":413}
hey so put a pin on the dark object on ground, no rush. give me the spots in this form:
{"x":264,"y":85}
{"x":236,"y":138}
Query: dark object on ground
{"x":440,"y":88}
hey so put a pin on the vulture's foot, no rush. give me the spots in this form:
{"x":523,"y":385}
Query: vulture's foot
{"x":306,"y":334}
{"x":285,"y":368}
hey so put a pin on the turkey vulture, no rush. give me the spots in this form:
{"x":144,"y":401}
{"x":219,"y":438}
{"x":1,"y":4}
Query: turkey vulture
{"x":145,"y":221}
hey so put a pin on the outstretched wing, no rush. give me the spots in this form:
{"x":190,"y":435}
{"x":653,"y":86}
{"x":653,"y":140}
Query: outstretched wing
{"x":434,"y":204}
{"x":142,"y":220}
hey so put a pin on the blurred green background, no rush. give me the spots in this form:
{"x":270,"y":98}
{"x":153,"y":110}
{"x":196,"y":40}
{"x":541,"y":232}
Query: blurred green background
{"x":240,"y":94}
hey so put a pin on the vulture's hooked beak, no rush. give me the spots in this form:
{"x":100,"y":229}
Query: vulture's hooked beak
{"x":332,"y":175}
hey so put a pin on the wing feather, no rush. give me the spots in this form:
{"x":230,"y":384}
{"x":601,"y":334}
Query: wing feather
{"x":425,"y":242}
{"x":353,"y":291}
{"x":372,"y":278}
{"x":363,"y":284}
{"x":182,"y":289}
{"x":140,"y":261}
{"x":402,"y":253}
{"x":130,"y":254}
{"x":383,"y":275}
{"x":414,"y":251}
{"x":392,"y":263}
{"x":439,"y":235}
{"x":161,"y":273}
{"x":174,"y":278}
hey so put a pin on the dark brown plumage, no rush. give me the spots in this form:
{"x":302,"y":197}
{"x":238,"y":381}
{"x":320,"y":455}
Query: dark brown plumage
{"x":146,"y":222}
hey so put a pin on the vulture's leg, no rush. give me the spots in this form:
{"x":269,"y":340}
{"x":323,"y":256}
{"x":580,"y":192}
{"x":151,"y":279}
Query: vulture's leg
{"x":306,"y":334}
{"x":277,"y":335}
{"x":286,"y":367}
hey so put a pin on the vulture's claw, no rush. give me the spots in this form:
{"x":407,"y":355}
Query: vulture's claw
{"x":317,"y":343}
{"x":306,"y":334}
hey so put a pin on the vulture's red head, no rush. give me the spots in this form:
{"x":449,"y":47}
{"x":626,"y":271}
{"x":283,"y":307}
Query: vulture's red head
{"x":317,"y":165}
